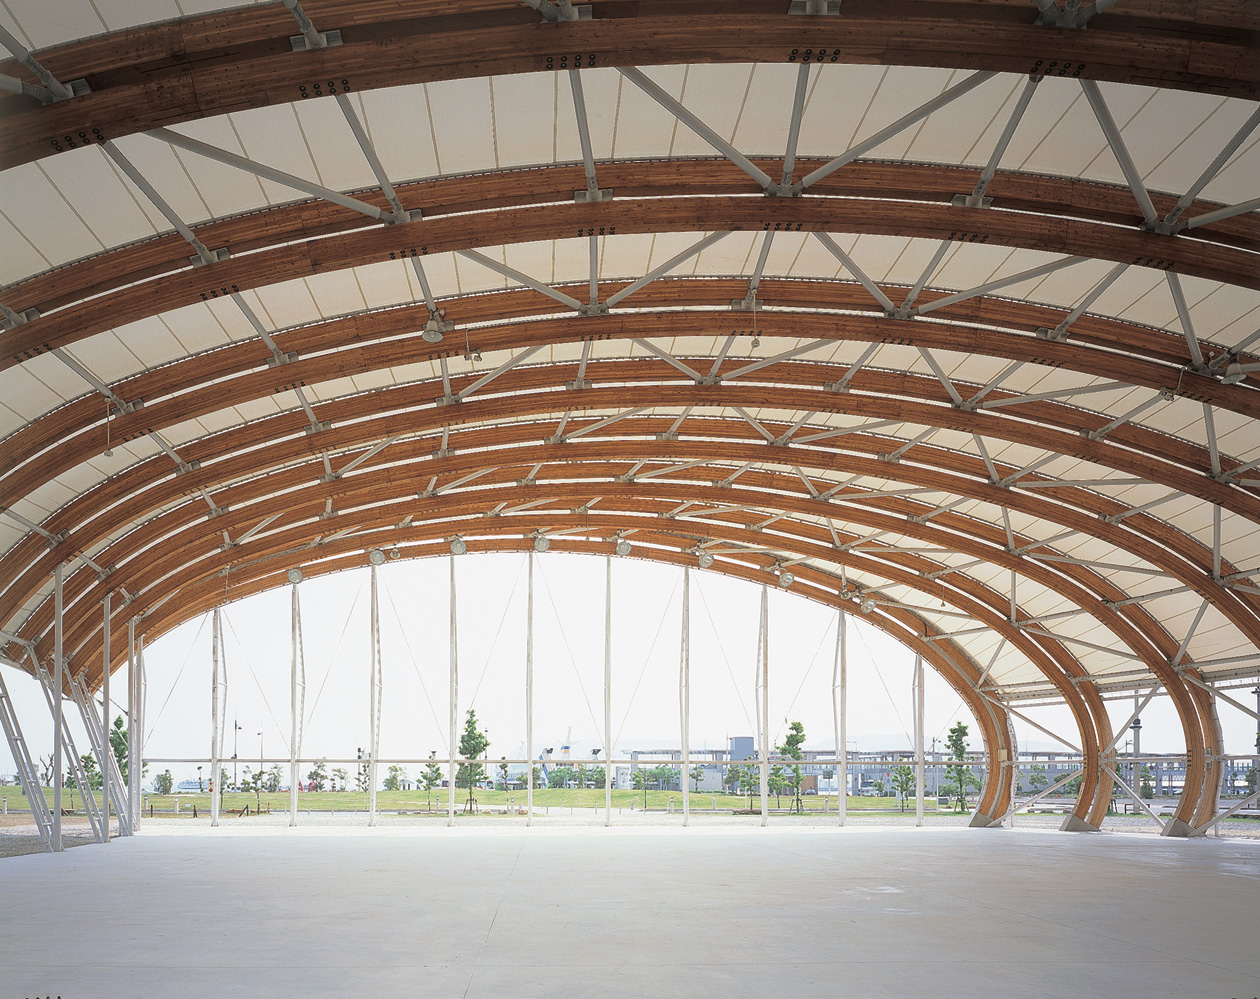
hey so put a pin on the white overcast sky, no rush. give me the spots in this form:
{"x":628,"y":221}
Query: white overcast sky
{"x":568,"y":668}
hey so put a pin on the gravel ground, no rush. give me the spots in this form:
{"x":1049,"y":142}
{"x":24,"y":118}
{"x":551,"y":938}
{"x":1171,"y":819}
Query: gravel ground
{"x":18,"y":837}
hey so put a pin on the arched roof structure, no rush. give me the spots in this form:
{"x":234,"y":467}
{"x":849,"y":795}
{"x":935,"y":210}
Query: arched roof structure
{"x":945,"y":312}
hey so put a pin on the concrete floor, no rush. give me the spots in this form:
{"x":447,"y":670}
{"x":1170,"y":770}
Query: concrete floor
{"x":704,"y":912}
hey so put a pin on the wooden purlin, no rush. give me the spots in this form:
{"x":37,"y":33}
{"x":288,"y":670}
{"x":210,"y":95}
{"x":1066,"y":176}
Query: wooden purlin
{"x":208,"y":65}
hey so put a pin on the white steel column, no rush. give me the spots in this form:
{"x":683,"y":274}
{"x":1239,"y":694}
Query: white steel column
{"x":763,"y":652}
{"x":293,"y":700}
{"x":918,"y":741}
{"x":374,"y":696}
{"x":133,"y":707}
{"x":840,"y":682}
{"x":684,"y":694}
{"x":529,"y":697}
{"x":215,"y":790}
{"x":454,"y":705}
{"x":141,"y":689}
{"x":105,"y":747}
{"x":58,"y":681}
{"x":608,"y":753}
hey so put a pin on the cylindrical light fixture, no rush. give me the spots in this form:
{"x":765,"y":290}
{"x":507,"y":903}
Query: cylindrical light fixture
{"x":704,"y":559}
{"x":623,"y":546}
{"x":868,"y":605}
{"x":294,"y":575}
{"x":786,"y":579}
{"x":376,"y":556}
{"x":541,"y":543}
{"x":458,"y":547}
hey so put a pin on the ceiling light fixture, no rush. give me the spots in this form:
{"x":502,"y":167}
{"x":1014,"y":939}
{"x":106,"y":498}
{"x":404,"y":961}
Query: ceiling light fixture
{"x":376,"y":556}
{"x":868,"y":605}
{"x":704,"y":559}
{"x":294,"y":575}
{"x":541,"y":543}
{"x":786,"y":579}
{"x":458,"y":547}
{"x":623,"y":546}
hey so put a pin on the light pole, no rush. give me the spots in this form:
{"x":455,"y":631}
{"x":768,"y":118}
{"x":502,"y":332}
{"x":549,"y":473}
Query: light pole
{"x":236,"y":727}
{"x":261,"y":756}
{"x":200,"y":786}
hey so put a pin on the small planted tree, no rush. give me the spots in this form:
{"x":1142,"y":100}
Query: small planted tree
{"x":394,"y":781}
{"x":1037,"y":778}
{"x":697,"y":775}
{"x":472,"y":743}
{"x":903,"y":780}
{"x":340,"y":779}
{"x":431,"y":778}
{"x":503,"y":773}
{"x":958,"y":774}
{"x":791,"y":749}
{"x":641,"y":779}
{"x":163,"y":783}
{"x":318,"y":775}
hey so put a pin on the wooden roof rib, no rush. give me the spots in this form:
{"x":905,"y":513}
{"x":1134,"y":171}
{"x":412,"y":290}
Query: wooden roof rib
{"x":1029,"y":397}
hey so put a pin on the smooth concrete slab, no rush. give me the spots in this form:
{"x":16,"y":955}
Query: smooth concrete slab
{"x":651,"y":912}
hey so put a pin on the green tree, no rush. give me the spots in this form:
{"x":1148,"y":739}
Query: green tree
{"x":1249,"y":778}
{"x":697,"y":775}
{"x":956,"y":773}
{"x":750,"y":781}
{"x":251,"y":781}
{"x":431,"y":777}
{"x":118,"y":743}
{"x":1146,"y":786}
{"x":397,"y":774}
{"x":318,"y":775}
{"x":791,"y":749}
{"x":778,"y":782}
{"x":163,"y":783}
{"x":341,"y":779}
{"x":562,"y":777}
{"x":1037,"y":778}
{"x":273,"y":778}
{"x":363,"y":777}
{"x":642,"y":779}
{"x":903,"y":780}
{"x":472,"y":744}
{"x":503,"y":773}
{"x":732,"y":778}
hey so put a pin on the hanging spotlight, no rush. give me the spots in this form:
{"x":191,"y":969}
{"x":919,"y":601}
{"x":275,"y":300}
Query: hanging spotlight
{"x":786,"y":579}
{"x":541,"y":543}
{"x":1233,"y":374}
{"x":623,"y":546}
{"x":294,"y":575}
{"x":458,"y":547}
{"x":868,"y":605}
{"x":704,"y":559}
{"x":376,"y":556}
{"x":395,"y":553}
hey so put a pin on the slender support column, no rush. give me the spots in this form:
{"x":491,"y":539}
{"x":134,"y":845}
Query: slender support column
{"x":293,"y":699}
{"x":58,"y":681}
{"x":918,"y":741}
{"x":608,"y":753}
{"x":105,"y":747}
{"x":454,"y":706}
{"x":840,"y":682}
{"x":133,"y":708}
{"x":374,"y":697}
{"x":141,"y":690}
{"x":684,"y":694}
{"x":529,"y":696}
{"x":216,"y":791}
{"x":763,"y":639}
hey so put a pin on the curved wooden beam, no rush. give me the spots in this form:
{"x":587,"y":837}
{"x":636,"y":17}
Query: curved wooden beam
{"x":283,"y":225}
{"x":684,"y":214}
{"x":208,"y":65}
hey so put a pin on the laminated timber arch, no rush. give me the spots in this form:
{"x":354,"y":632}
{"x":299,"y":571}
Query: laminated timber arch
{"x":843,"y":437}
